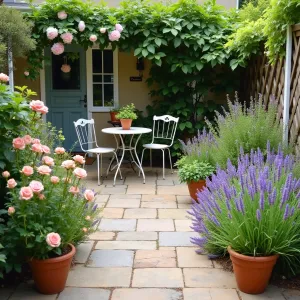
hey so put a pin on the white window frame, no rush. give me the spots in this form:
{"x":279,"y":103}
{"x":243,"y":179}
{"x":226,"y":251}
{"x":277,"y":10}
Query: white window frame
{"x":89,"y":83}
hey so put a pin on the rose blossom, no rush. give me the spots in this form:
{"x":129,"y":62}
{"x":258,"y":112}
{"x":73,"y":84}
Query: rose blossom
{"x":53,"y":239}
{"x":11,"y":210}
{"x":37,"y":105}
{"x":58,"y":48}
{"x":52,"y":33}
{"x":36,"y":186}
{"x":35,"y":141}
{"x":11,"y":183}
{"x":66,"y":68}
{"x":79,"y":159}
{"x":93,"y":38}
{"x":89,"y":195}
{"x":81,"y":26}
{"x":26,"y":193}
{"x":119,"y":27}
{"x":5,"y":174}
{"x":4,"y":77}
{"x":88,"y":218}
{"x":59,"y":150}
{"x":41,"y":196}
{"x":44,"y":110}
{"x":37,"y":148}
{"x":18,"y":143}
{"x":80,"y":173}
{"x":68,"y":164}
{"x":54,"y":179}
{"x":102,"y":30}
{"x":27,"y":170}
{"x":27,"y":139}
{"x":46,"y":149}
{"x":44,"y":170}
{"x":74,"y":190}
{"x":26,"y":73}
{"x":67,"y":37}
{"x":49,"y":161}
{"x":114,"y":35}
{"x":84,"y":229}
{"x":62,"y":15}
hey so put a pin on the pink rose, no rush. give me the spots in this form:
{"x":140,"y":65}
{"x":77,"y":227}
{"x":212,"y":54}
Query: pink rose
{"x":89,"y":195}
{"x":11,"y":183}
{"x":37,"y":105}
{"x":35,"y":141}
{"x":44,"y":110}
{"x":47,"y":160}
{"x":119,"y":27}
{"x":41,"y":196}
{"x":37,"y":148}
{"x":11,"y":210}
{"x":18,"y":143}
{"x":26,"y":193}
{"x":68,"y":164}
{"x":53,"y":239}
{"x":67,"y":37}
{"x":79,"y":159}
{"x":81,"y":26}
{"x":27,"y":139}
{"x":80,"y":173}
{"x":46,"y":149}
{"x":62,"y":15}
{"x":114,"y":35}
{"x":36,"y":186}
{"x":54,"y":179}
{"x":59,"y":150}
{"x":44,"y":170}
{"x":4,"y":77}
{"x":5,"y":174}
{"x":52,"y":33}
{"x":74,"y":190}
{"x":88,"y":218}
{"x":84,"y":229}
{"x":58,"y":48}
{"x":66,"y":68}
{"x":27,"y":170}
{"x":26,"y":73}
{"x":93,"y":38}
{"x":102,"y":30}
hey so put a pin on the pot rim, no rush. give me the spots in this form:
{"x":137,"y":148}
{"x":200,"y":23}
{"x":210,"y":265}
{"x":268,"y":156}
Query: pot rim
{"x":252,"y":258}
{"x":56,"y":259}
{"x":199,"y":181}
{"x":126,"y":119}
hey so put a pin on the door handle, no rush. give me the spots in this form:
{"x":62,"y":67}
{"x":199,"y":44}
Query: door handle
{"x":84,"y":99}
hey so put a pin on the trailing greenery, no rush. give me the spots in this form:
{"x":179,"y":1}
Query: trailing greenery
{"x":127,"y":112}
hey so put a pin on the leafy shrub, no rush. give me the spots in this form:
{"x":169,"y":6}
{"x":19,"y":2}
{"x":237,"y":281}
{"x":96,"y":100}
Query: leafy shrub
{"x":253,"y":208}
{"x":127,"y":112}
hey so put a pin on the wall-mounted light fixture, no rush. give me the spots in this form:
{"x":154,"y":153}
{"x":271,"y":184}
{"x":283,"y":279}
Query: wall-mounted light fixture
{"x":140,"y":66}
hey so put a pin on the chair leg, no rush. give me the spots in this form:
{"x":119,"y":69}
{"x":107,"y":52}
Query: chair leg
{"x":151,"y":158}
{"x":101,"y":166}
{"x":98,"y":167}
{"x":142,"y":161}
{"x":163,"y":151}
{"x":116,"y":157}
{"x":84,"y":160}
{"x":170,"y":160}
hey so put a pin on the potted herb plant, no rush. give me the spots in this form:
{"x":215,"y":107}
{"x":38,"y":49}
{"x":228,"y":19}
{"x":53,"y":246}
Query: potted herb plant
{"x":49,"y":211}
{"x":126,"y":115}
{"x":252,"y":211}
{"x":113,"y":113}
{"x":194,"y":172}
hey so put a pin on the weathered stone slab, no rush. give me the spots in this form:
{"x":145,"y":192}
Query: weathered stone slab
{"x":137,"y":236}
{"x":155,"y":259}
{"x":111,"y":258}
{"x":188,"y":258}
{"x":183,"y":225}
{"x":155,"y":225}
{"x":102,"y":236}
{"x":176,"y":239}
{"x":178,"y":214}
{"x":83,"y":251}
{"x":123,"y":203}
{"x":140,"y":213}
{"x":73,"y":293}
{"x":117,"y":225}
{"x":126,"y":245}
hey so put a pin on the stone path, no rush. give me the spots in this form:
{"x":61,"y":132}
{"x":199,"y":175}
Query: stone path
{"x":142,"y":250}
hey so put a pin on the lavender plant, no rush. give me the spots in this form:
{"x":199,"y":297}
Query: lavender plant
{"x":254,"y":208}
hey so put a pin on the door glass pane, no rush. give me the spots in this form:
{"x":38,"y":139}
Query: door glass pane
{"x":62,"y":80}
{"x":108,"y":78}
{"x":108,"y":95}
{"x":97,"y":94}
{"x":97,"y":78}
{"x":108,"y":61}
{"x":97,"y":61}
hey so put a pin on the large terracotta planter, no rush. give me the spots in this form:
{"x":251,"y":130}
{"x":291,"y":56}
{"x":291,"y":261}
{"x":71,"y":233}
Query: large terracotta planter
{"x":50,"y":275}
{"x":252,"y":273}
{"x":194,"y":186}
{"x":113,"y":116}
{"x":126,"y":123}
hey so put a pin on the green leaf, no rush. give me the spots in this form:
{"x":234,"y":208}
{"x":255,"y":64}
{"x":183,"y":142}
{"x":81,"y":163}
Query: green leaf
{"x":181,"y":126}
{"x":165,"y":30}
{"x":174,"y":32}
{"x":234,"y":63}
{"x":184,"y":69}
{"x":177,"y":42}
{"x":146,"y":32}
{"x":206,"y":47}
{"x":157,"y":41}
{"x":144,"y":52}
{"x":199,"y":66}
{"x":175,"y":89}
{"x":151,"y":49}
{"x":188,"y":124}
{"x":137,"y":51}
{"x":173,"y":68}
{"x":189,"y":26}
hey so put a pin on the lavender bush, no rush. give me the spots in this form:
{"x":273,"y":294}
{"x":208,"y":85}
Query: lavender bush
{"x":254,"y":208}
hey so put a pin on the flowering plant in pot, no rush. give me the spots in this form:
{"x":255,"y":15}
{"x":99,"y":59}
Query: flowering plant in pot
{"x":113,"y":113}
{"x":49,"y":210}
{"x":252,"y":211}
{"x":126,"y":115}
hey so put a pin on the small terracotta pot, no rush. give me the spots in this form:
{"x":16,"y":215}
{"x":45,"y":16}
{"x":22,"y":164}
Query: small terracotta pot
{"x":50,"y":275}
{"x":113,"y":116}
{"x":194,"y":186}
{"x":126,"y":123}
{"x":252,"y":274}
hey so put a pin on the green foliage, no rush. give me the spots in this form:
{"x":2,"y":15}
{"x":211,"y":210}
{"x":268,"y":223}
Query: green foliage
{"x":14,"y":28}
{"x":127,"y":112}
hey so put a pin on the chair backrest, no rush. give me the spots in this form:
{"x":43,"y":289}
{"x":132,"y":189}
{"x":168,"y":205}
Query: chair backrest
{"x":86,"y":134}
{"x":164,"y":127}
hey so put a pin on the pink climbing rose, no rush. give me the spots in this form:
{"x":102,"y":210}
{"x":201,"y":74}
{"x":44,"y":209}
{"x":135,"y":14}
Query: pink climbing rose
{"x":58,"y":48}
{"x":18,"y":143}
{"x":102,"y":30}
{"x":59,"y":150}
{"x":62,"y":15}
{"x":81,"y":26}
{"x":46,"y":149}
{"x":52,"y":33}
{"x":26,"y":73}
{"x":36,"y":186}
{"x":119,"y":27}
{"x":80,"y":173}
{"x":79,"y":159}
{"x":4,"y":77}
{"x":26,"y":193}
{"x":37,"y":105}
{"x":66,"y":68}
{"x":11,"y":210}
{"x":89,"y":195}
{"x":54,"y":179}
{"x":53,"y":239}
{"x":27,"y":139}
{"x":67,"y":37}
{"x":114,"y":36}
{"x":44,"y":170}
{"x":37,"y":148}
{"x":74,"y":190}
{"x":93,"y":38}
{"x":27,"y":170}
{"x":47,"y":160}
{"x":68,"y":164}
{"x":11,"y":183}
{"x":5,"y":174}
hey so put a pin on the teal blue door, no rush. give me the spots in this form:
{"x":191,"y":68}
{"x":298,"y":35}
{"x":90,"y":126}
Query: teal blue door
{"x":66,"y":92}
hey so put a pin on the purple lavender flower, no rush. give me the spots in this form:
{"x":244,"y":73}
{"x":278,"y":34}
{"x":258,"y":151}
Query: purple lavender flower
{"x":258,"y":215}
{"x":262,"y":201}
{"x":272,"y":197}
{"x":292,"y":211}
{"x":286,"y":212}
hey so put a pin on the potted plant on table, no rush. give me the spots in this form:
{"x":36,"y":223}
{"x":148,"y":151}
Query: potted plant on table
{"x":113,"y":113}
{"x":252,"y":211}
{"x":126,"y":115}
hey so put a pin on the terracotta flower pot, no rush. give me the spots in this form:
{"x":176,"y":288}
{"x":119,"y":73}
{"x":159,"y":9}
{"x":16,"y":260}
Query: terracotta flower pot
{"x":113,"y":116}
{"x":50,"y":275}
{"x":194,"y":186}
{"x":126,"y":123}
{"x":252,"y":273}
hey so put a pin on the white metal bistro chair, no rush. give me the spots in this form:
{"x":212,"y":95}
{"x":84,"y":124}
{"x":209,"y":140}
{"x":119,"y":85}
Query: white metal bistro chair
{"x":164,"y":128}
{"x":86,"y":134}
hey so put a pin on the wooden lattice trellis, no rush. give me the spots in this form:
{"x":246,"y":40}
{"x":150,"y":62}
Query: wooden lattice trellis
{"x":266,"y":80}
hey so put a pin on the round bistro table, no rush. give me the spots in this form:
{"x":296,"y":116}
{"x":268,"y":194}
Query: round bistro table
{"x":119,"y":131}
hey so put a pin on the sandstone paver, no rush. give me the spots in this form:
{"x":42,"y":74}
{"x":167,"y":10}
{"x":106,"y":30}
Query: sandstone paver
{"x":155,"y":259}
{"x":117,"y":190}
{"x":188,"y":258}
{"x":117,"y":225}
{"x":136,"y":196}
{"x":123,"y":203}
{"x":73,"y":293}
{"x":179,"y":214}
{"x":111,"y":258}
{"x":102,"y":236}
{"x":165,"y":182}
{"x":181,"y":190}
{"x":140,"y":213}
{"x":126,"y":245}
{"x":137,"y":236}
{"x":271,"y":293}
{"x":155,"y":225}
{"x":185,"y":206}
{"x":210,"y":294}
{"x":83,"y":251}
{"x":113,"y":213}
{"x":157,"y":198}
{"x":101,"y":198}
{"x":26,"y":291}
{"x":141,"y":189}
{"x":167,"y":248}
{"x":184,"y":199}
{"x":176,"y":239}
{"x":183,"y":225}
{"x":159,"y":204}
{"x":291,"y":294}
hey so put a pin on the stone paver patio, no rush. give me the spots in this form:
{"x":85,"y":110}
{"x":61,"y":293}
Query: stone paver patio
{"x":142,"y":249}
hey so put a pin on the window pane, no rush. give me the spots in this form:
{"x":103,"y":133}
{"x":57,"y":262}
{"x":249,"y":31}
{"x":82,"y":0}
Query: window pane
{"x":108,"y":61}
{"x":65,"y":81}
{"x":97,"y":78}
{"x":108,"y":78}
{"x":97,"y":61}
{"x":97,"y":94}
{"x":108,"y":95}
